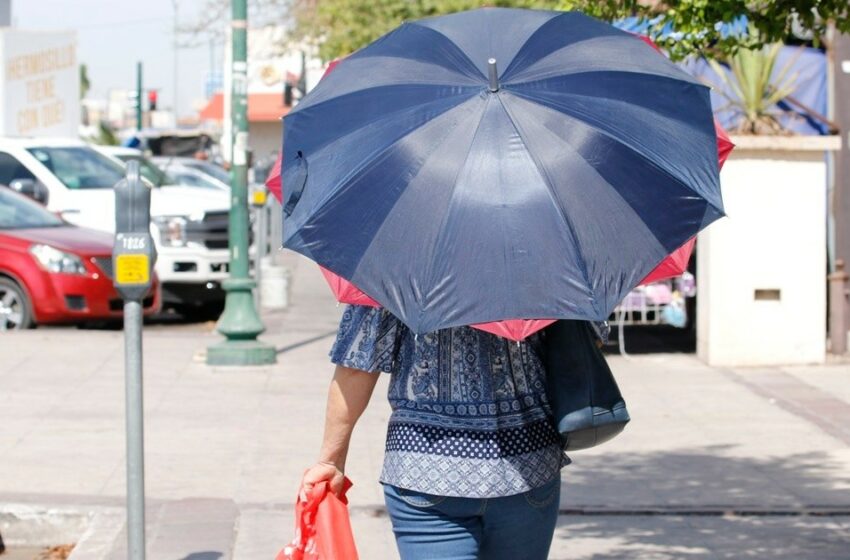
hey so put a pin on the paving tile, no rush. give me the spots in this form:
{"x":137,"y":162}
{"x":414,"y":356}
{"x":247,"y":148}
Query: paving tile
{"x":699,"y":439}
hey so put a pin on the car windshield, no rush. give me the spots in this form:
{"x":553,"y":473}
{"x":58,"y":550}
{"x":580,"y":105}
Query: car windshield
{"x":79,"y":167}
{"x":18,"y":212}
{"x":147,"y":168}
{"x":188,"y":178}
{"x":210,"y":169}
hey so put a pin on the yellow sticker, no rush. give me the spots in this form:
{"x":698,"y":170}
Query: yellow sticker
{"x":259,"y":198}
{"x":132,"y":269}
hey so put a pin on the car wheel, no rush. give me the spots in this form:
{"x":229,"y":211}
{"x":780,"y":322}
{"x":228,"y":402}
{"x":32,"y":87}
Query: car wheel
{"x":15,"y":308}
{"x":206,"y":312}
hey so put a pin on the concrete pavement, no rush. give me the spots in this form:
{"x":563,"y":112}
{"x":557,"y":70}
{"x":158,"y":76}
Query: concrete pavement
{"x":715,"y":464}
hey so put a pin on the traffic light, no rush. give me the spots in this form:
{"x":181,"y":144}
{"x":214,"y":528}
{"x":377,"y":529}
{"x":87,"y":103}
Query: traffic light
{"x":152,"y":100}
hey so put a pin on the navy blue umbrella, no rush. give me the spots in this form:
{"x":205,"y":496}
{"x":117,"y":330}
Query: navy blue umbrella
{"x":499,"y":164}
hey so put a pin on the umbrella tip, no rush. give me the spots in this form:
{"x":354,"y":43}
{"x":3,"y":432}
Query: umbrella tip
{"x":494,"y":75}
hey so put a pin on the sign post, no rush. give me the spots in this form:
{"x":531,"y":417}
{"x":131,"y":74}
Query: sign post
{"x":139,"y":108}
{"x":133,"y":257}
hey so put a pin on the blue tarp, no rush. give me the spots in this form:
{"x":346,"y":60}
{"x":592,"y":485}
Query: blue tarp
{"x":808,"y":65}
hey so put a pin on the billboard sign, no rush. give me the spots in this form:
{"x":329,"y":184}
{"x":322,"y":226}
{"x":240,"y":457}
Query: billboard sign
{"x":40,"y":85}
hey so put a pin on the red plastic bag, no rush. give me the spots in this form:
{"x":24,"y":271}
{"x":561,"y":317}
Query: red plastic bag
{"x":322,"y":527}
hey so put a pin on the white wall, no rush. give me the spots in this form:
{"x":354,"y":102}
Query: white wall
{"x":773,"y":238}
{"x":264,"y":138}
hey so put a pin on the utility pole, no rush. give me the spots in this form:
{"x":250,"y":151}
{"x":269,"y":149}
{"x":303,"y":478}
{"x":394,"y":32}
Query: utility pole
{"x":240,"y":323}
{"x":839,"y":52}
{"x":174,"y":62}
{"x":139,"y":107}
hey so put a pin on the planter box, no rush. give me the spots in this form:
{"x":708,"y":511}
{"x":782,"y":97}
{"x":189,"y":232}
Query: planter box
{"x":761,"y":271}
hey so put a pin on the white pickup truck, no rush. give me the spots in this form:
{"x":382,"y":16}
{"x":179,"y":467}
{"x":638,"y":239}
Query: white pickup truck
{"x":189,"y":224}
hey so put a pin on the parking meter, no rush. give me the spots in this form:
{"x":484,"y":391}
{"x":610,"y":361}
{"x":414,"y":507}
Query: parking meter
{"x":133,"y":257}
{"x":134,"y":253}
{"x":259,"y":196}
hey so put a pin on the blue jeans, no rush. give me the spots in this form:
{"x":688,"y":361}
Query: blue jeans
{"x":516,"y":527}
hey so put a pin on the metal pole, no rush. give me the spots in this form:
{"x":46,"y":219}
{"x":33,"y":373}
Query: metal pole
{"x":135,"y":430}
{"x":240,"y":323}
{"x":174,"y":62}
{"x":139,"y":96}
{"x":260,"y":253}
{"x":838,"y":308}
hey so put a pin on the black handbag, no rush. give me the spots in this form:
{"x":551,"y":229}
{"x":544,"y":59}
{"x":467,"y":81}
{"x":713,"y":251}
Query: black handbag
{"x":585,"y":400}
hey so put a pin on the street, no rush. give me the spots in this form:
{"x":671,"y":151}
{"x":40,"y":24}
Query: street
{"x":715,"y":463}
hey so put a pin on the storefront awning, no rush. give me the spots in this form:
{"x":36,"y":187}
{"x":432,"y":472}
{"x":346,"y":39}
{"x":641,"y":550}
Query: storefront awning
{"x":262,"y":107}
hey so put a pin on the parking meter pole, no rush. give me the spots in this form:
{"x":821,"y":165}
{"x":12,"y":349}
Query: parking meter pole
{"x":135,"y":430}
{"x":133,"y":258}
{"x":260,"y":253}
{"x":240,"y":323}
{"x":259,"y":200}
{"x":262,"y":224}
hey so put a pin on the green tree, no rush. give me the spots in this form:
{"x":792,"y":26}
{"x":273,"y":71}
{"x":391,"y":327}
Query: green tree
{"x":343,"y":26}
{"x":85,"y":84}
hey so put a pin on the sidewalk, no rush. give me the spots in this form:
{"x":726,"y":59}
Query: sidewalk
{"x":715,"y":464}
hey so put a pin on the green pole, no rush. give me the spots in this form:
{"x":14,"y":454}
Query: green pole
{"x":139,"y":95}
{"x":240,"y":323}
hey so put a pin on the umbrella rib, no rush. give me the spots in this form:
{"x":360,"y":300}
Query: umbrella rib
{"x":295,"y":111}
{"x":544,"y":174}
{"x":385,"y":116}
{"x":415,"y":175}
{"x":449,"y":39}
{"x":445,"y":218}
{"x":673,"y":73}
{"x":629,"y":147}
{"x":509,"y":69}
{"x":648,"y":75}
{"x":689,"y":123}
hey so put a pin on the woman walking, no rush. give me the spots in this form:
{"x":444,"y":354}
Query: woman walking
{"x":472,"y":461}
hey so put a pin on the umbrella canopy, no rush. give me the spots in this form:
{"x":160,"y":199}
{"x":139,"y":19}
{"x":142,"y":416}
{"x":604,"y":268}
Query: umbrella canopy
{"x":676,"y":262}
{"x":499,"y":164}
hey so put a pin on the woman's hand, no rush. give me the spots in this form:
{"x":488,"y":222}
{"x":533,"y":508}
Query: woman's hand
{"x":322,"y":472}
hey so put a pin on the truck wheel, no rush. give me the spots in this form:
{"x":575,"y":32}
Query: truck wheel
{"x":15,"y":307}
{"x":205,"y":312}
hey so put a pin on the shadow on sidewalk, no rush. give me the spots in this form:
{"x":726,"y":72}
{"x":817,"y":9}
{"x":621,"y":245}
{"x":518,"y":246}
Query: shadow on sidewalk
{"x":704,"y":503}
{"x":305,"y":342}
{"x":710,"y":477}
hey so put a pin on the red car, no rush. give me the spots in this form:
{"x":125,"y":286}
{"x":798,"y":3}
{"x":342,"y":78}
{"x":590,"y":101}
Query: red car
{"x":53,"y":272}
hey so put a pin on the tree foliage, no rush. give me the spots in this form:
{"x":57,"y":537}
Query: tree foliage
{"x":753,"y":90}
{"x":85,"y":84}
{"x":343,"y":26}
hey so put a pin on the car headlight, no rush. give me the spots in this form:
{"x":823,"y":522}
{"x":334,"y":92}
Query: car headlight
{"x":172,"y":230}
{"x":55,"y":260}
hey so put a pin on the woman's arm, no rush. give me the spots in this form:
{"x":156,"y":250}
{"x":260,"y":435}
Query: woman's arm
{"x":348,"y":396}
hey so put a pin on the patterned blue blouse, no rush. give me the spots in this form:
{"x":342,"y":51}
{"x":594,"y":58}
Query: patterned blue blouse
{"x":469,"y":417}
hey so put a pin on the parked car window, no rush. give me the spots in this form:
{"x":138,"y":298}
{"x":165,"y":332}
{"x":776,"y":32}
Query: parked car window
{"x":18,"y":212}
{"x":11,"y":169}
{"x":210,"y":169}
{"x":79,"y":167}
{"x":191,"y":179}
{"x":148,"y":170}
